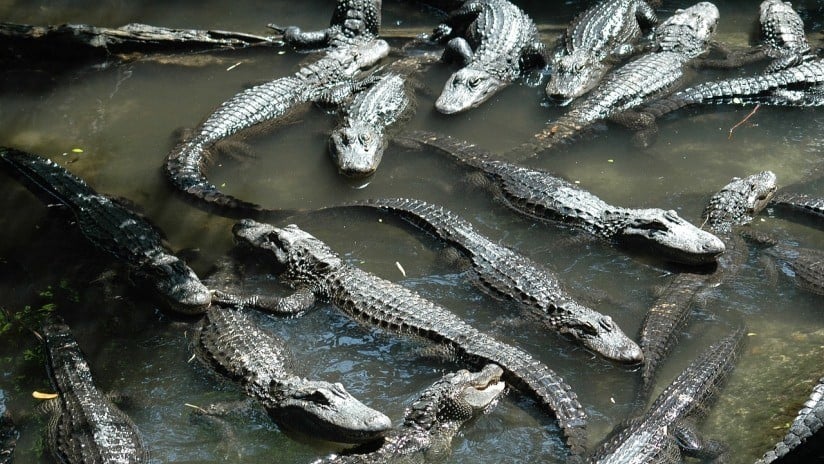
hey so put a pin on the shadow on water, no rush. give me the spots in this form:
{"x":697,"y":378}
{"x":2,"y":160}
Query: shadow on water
{"x":113,"y":125}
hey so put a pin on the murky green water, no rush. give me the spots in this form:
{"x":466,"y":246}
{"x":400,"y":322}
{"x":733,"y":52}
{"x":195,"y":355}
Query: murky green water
{"x":123,"y":117}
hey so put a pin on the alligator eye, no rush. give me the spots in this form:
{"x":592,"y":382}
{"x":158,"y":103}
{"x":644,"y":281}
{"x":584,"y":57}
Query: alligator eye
{"x":606,"y":323}
{"x":317,"y":397}
{"x":475,"y":82}
{"x":365,"y":138}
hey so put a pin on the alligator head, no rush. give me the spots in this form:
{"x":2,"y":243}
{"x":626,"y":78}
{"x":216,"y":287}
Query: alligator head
{"x":324,"y":410}
{"x":466,"y":89}
{"x":176,"y":283}
{"x":600,"y":334}
{"x":456,"y":398}
{"x":357,"y":149}
{"x":306,"y":258}
{"x":739,"y":201}
{"x":574,"y":75}
{"x":665,"y":233}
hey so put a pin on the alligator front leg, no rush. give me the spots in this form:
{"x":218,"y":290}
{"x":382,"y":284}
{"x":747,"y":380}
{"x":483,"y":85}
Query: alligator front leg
{"x":293,"y":305}
{"x":693,"y":443}
{"x":458,"y":49}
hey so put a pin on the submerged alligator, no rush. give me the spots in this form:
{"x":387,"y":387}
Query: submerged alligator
{"x":85,"y":427}
{"x":504,"y":273}
{"x":541,"y":195}
{"x":433,"y":419}
{"x":806,"y":264}
{"x":664,"y":433}
{"x":603,"y":33}
{"x":799,"y":203}
{"x":113,"y":228}
{"x":313,"y":269}
{"x":807,"y":424}
{"x":495,"y":41}
{"x":358,"y":143}
{"x":733,"y":206}
{"x":678,"y":40}
{"x":352,"y":47}
{"x":232,"y":343}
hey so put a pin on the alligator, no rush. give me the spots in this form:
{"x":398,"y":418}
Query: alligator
{"x":802,"y":432}
{"x":8,"y":433}
{"x":505,"y":273}
{"x":86,"y":426}
{"x":666,"y":431}
{"x":782,"y":39}
{"x":358,"y":143}
{"x":114,"y":228}
{"x":733,"y":206}
{"x":794,"y":78}
{"x":433,"y":419}
{"x":495,"y":41}
{"x":352,"y":47}
{"x":312,"y":268}
{"x":799,"y":203}
{"x":541,"y":195}
{"x":598,"y":36}
{"x":232,"y":343}
{"x":677,"y":41}
{"x":806,"y":264}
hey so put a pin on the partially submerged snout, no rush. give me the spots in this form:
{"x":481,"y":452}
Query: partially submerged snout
{"x":357,"y":149}
{"x":326,"y":411}
{"x":466,"y":89}
{"x":602,"y":335}
{"x":675,"y":239}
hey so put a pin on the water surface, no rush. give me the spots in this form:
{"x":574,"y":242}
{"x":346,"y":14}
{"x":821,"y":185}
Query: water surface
{"x":123,"y":117}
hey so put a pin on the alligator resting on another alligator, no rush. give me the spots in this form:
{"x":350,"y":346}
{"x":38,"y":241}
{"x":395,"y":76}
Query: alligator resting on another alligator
{"x":733,"y":206}
{"x":352,"y":47}
{"x":313,"y":269}
{"x":231,"y":342}
{"x":543,"y":196}
{"x":503,"y":272}
{"x":677,"y":41}
{"x":433,"y":419}
{"x":599,"y":35}
{"x":666,"y":432}
{"x":495,"y":42}
{"x":86,"y":426}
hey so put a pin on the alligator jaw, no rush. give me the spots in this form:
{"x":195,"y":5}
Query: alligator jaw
{"x":466,"y":89}
{"x":665,"y":233}
{"x":327,"y":409}
{"x":357,"y":150}
{"x":483,"y":387}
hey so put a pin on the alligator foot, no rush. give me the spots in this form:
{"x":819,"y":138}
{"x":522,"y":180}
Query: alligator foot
{"x":228,"y":444}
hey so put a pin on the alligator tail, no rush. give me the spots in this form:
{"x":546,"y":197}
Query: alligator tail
{"x":50,"y":181}
{"x":462,"y":151}
{"x":526,"y":373}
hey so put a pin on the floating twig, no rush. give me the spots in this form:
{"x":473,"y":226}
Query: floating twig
{"x":746,"y":118}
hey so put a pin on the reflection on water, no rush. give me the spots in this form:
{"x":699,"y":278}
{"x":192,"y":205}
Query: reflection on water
{"x":123,"y":117}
